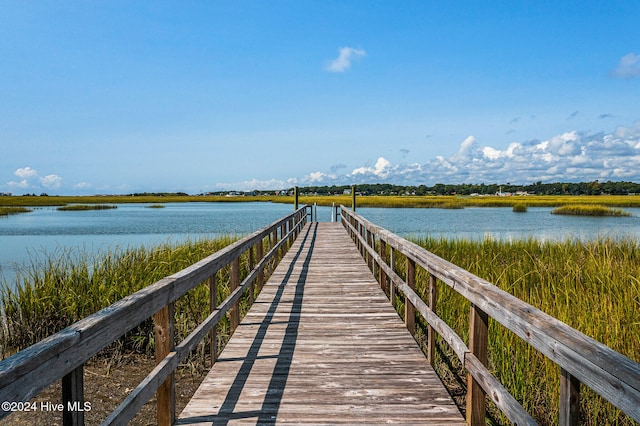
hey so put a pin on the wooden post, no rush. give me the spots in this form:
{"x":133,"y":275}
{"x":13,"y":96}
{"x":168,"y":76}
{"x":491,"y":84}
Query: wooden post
{"x":353,"y":198}
{"x":252,"y":287}
{"x":431,"y":333}
{"x":234,"y":311}
{"x":291,"y":223}
{"x":385,"y":258}
{"x":295,"y":196}
{"x":213,"y":304}
{"x":409,"y":309}
{"x":392,"y":287}
{"x":73,"y":397}
{"x":370,"y":244}
{"x":569,"y":399}
{"x":166,"y":394}
{"x":478,"y":339}
{"x":259,"y":256}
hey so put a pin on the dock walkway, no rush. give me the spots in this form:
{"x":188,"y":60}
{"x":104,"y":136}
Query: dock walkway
{"x":321,"y":344}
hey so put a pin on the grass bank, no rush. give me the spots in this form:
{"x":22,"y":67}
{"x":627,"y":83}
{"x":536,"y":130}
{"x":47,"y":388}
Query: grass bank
{"x":433,"y":201}
{"x":590,"y":210}
{"x":60,"y":288}
{"x":6,"y":211}
{"x":594,"y":287}
{"x":84,"y":207}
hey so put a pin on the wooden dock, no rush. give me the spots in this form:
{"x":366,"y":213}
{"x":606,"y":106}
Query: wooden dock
{"x":321,"y":344}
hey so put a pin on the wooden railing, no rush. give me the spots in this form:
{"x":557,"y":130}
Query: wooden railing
{"x":581,"y":359}
{"x":62,"y":355}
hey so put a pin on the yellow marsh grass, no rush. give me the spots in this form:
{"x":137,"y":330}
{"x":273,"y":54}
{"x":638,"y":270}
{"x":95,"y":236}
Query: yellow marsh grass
{"x":589,"y":210}
{"x":63,"y":287}
{"x":594,"y":287}
{"x":435,"y":201}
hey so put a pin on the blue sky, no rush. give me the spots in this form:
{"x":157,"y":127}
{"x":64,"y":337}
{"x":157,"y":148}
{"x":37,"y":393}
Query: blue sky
{"x":196,"y":96}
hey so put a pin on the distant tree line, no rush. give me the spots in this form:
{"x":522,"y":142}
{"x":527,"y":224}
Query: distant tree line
{"x":538,"y":188}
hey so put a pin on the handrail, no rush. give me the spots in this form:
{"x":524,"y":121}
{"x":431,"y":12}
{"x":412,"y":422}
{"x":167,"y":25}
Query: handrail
{"x":27,"y":373}
{"x":581,"y":358}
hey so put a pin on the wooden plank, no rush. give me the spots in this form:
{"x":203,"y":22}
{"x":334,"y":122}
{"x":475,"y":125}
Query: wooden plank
{"x":609,"y":373}
{"x":25,"y":374}
{"x":321,"y":344}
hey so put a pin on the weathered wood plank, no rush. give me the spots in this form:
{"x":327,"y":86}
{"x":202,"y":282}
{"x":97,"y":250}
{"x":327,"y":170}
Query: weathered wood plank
{"x":609,"y":373}
{"x":321,"y":344}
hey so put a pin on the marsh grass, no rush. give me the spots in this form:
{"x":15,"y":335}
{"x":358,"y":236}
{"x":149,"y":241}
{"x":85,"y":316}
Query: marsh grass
{"x":6,"y":211}
{"x":82,"y":207}
{"x":590,"y":210}
{"x":520,"y":208}
{"x":594,"y":287}
{"x":57,"y":289}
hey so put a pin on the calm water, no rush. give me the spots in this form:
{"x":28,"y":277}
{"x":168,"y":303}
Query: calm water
{"x":30,"y":236}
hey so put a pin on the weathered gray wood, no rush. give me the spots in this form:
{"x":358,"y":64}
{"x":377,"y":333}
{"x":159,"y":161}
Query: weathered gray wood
{"x":610,"y":374}
{"x":321,"y":345}
{"x":478,"y":339}
{"x":569,"y":400}
{"x":28,"y":372}
{"x":166,"y":394}
{"x":139,"y":396}
{"x":431,"y":333}
{"x":213,"y":303}
{"x":73,"y":398}
{"x":409,"y":310}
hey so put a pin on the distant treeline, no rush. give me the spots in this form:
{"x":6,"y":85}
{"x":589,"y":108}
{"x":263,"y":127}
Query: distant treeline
{"x":539,"y":188}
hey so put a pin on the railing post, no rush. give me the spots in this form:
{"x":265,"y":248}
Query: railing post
{"x":252,"y":287}
{"x":385,"y":259}
{"x":353,"y":198}
{"x":478,"y":340}
{"x":370,"y":244}
{"x":569,"y":399}
{"x":295,"y":196}
{"x":291,"y":223}
{"x":409,"y":309}
{"x":259,"y":256}
{"x":234,"y":278}
{"x":431,"y":333}
{"x":73,"y":397}
{"x":213,"y":304}
{"x":392,"y":287}
{"x":166,"y":395}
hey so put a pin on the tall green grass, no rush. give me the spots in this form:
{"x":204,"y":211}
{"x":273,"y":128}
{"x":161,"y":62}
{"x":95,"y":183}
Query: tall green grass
{"x":57,"y":289}
{"x":594,"y":287}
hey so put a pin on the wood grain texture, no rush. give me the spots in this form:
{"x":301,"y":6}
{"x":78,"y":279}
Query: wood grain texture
{"x":321,"y":344}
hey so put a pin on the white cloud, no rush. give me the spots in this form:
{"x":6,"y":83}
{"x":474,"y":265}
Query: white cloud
{"x":26,"y":172}
{"x":82,"y":185}
{"x":19,"y":185}
{"x":344,"y":59}
{"x":570,"y":156}
{"x":381,"y":169}
{"x":261,"y":185}
{"x":29,"y":179}
{"x":51,"y":181}
{"x":628,"y":67}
